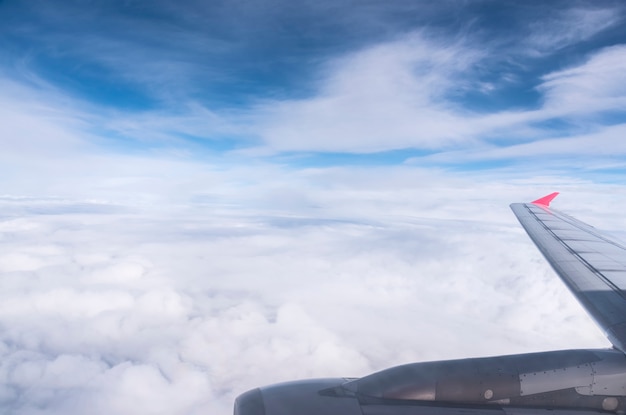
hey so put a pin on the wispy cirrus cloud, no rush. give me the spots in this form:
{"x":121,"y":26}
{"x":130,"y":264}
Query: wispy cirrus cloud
{"x":601,"y":149}
{"x":418,"y":91}
{"x":415,"y":107}
{"x":385,"y":97}
{"x":587,"y":100}
{"x":595,"y":86}
{"x":570,"y":26}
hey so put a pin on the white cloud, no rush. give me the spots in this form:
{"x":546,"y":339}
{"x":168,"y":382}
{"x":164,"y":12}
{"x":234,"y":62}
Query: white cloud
{"x":400,"y":95}
{"x":391,"y":96}
{"x":568,"y":27}
{"x":36,"y":123}
{"x":387,"y":96}
{"x":603,"y":149}
{"x":178,"y":309}
{"x":596,"y":85}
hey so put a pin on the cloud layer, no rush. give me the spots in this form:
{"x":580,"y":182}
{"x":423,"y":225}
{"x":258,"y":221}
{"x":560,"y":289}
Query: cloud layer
{"x":179,"y":310}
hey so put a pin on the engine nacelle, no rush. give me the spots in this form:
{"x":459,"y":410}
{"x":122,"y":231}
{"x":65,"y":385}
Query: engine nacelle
{"x":586,"y":380}
{"x":593,"y":379}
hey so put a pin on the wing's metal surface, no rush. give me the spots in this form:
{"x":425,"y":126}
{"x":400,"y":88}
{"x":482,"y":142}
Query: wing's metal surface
{"x":592,"y":265}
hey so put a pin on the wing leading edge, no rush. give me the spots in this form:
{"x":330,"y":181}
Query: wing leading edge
{"x":592,"y":265}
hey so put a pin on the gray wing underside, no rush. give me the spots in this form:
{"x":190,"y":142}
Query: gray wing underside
{"x":592,"y":265}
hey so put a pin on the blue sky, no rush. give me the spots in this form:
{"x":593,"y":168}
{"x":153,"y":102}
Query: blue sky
{"x":192,"y":192}
{"x":449,"y":84}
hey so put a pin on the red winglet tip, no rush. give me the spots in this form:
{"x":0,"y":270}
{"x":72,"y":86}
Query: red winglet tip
{"x":545,"y":201}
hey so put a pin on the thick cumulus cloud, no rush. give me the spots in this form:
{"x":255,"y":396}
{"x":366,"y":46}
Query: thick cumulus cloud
{"x":179,"y":309}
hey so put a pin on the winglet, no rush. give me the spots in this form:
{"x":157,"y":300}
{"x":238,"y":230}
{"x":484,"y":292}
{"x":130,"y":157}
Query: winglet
{"x":545,"y":201}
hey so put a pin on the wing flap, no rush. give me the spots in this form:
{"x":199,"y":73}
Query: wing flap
{"x":592,"y":265}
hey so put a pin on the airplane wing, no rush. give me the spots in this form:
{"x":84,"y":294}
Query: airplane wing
{"x":592,"y":265}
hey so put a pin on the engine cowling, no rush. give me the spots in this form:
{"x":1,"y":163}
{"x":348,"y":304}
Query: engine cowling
{"x":593,"y":380}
